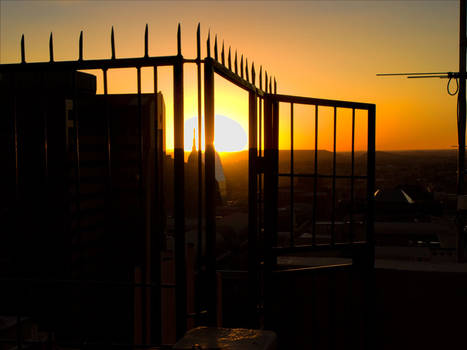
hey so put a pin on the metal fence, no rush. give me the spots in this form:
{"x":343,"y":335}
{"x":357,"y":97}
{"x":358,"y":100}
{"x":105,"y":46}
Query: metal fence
{"x":150,"y":213}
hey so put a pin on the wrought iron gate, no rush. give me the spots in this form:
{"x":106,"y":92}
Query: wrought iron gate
{"x":263,"y":164}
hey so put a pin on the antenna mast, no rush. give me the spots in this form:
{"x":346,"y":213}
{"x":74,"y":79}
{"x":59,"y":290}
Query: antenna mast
{"x":461,"y":111}
{"x":460,"y":78}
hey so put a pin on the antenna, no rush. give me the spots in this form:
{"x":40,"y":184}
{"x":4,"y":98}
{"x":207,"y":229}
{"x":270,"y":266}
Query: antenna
{"x":460,"y":78}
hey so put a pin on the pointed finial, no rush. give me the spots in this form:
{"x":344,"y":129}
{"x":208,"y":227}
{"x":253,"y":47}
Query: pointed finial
{"x":241,"y":67}
{"x":51,"y":47}
{"x":208,"y":44}
{"x":261,"y":77}
{"x":235,"y":63}
{"x":270,"y":85}
{"x":275,"y":85}
{"x":253,"y":73}
{"x":179,"y":41}
{"x":146,"y":35}
{"x":230,"y":60}
{"x":23,"y":55}
{"x":247,"y":75}
{"x":215,"y":49}
{"x":222,"y":54}
{"x":266,"y":80}
{"x":198,"y":42}
{"x":80,"y":52}
{"x":112,"y":42}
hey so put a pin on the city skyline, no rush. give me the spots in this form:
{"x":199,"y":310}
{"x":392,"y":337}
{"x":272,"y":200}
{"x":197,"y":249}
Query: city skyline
{"x":334,"y":50}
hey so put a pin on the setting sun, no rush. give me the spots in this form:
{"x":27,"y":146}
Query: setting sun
{"x":229,"y":135}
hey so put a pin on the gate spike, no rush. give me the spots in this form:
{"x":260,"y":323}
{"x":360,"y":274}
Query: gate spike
{"x":80,"y":54}
{"x":215,"y":49}
{"x":230,"y":60}
{"x":23,"y":55}
{"x":241,"y":67}
{"x":246,"y":70}
{"x":208,"y":44}
{"x":261,"y":77}
{"x":146,"y":50}
{"x":222,"y":54}
{"x":235,"y":63}
{"x":253,"y":73}
{"x":275,"y":86}
{"x":198,"y":42}
{"x":270,"y":85}
{"x":266,"y":81}
{"x":179,"y":41}
{"x":51,"y":47}
{"x":112,"y":42}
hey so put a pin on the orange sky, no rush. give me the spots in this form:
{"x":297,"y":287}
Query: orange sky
{"x":314,"y":48}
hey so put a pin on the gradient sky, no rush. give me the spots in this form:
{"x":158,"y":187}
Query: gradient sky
{"x":325,"y":49}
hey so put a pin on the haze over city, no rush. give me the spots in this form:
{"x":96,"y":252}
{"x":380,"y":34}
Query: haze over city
{"x":326,"y":49}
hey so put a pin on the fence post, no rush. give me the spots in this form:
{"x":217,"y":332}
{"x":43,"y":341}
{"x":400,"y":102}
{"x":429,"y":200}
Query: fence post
{"x":253,"y":286}
{"x":210,"y":209}
{"x":179,"y":200}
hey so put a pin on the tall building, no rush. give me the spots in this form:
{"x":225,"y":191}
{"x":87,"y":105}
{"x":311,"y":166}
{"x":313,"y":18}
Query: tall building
{"x":84,"y":169}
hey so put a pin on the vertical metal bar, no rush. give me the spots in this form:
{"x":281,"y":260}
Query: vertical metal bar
{"x":253,"y":286}
{"x":15,"y":135}
{"x":461,"y":122}
{"x":108,"y":136}
{"x":210,"y":209}
{"x":77,"y":172}
{"x":179,"y":199}
{"x":371,"y":183}
{"x":315,"y":180}
{"x":369,"y":259}
{"x":271,"y":117}
{"x":291,"y":178}
{"x":352,"y":179}
{"x":268,"y":209}
{"x":260,"y":155}
{"x":333,"y":188}
{"x":142,"y":212}
{"x":158,"y":225}
{"x":44,"y":108}
{"x":275,"y":170}
{"x":200,"y":168}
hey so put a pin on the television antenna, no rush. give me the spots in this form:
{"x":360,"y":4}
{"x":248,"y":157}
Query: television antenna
{"x":460,"y":89}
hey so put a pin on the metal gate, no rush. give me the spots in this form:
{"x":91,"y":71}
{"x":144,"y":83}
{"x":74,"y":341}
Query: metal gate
{"x":150,"y":213}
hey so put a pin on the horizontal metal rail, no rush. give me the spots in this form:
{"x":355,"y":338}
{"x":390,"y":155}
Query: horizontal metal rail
{"x":322,"y":102}
{"x":91,"y":64}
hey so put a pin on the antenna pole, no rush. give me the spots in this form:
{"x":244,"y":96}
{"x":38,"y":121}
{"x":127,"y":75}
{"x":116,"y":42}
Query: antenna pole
{"x":461,"y":118}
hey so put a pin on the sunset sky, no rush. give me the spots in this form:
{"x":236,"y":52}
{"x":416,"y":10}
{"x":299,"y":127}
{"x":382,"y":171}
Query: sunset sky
{"x":325,"y":49}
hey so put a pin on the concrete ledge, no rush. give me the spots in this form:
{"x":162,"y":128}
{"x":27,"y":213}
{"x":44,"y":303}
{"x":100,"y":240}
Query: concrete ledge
{"x":227,"y":338}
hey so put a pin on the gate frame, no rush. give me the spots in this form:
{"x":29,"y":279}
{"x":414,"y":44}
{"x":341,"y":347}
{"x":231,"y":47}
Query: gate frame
{"x":257,"y":164}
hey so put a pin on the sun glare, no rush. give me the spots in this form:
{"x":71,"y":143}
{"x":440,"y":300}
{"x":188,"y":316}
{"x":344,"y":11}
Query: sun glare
{"x":229,"y":135}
